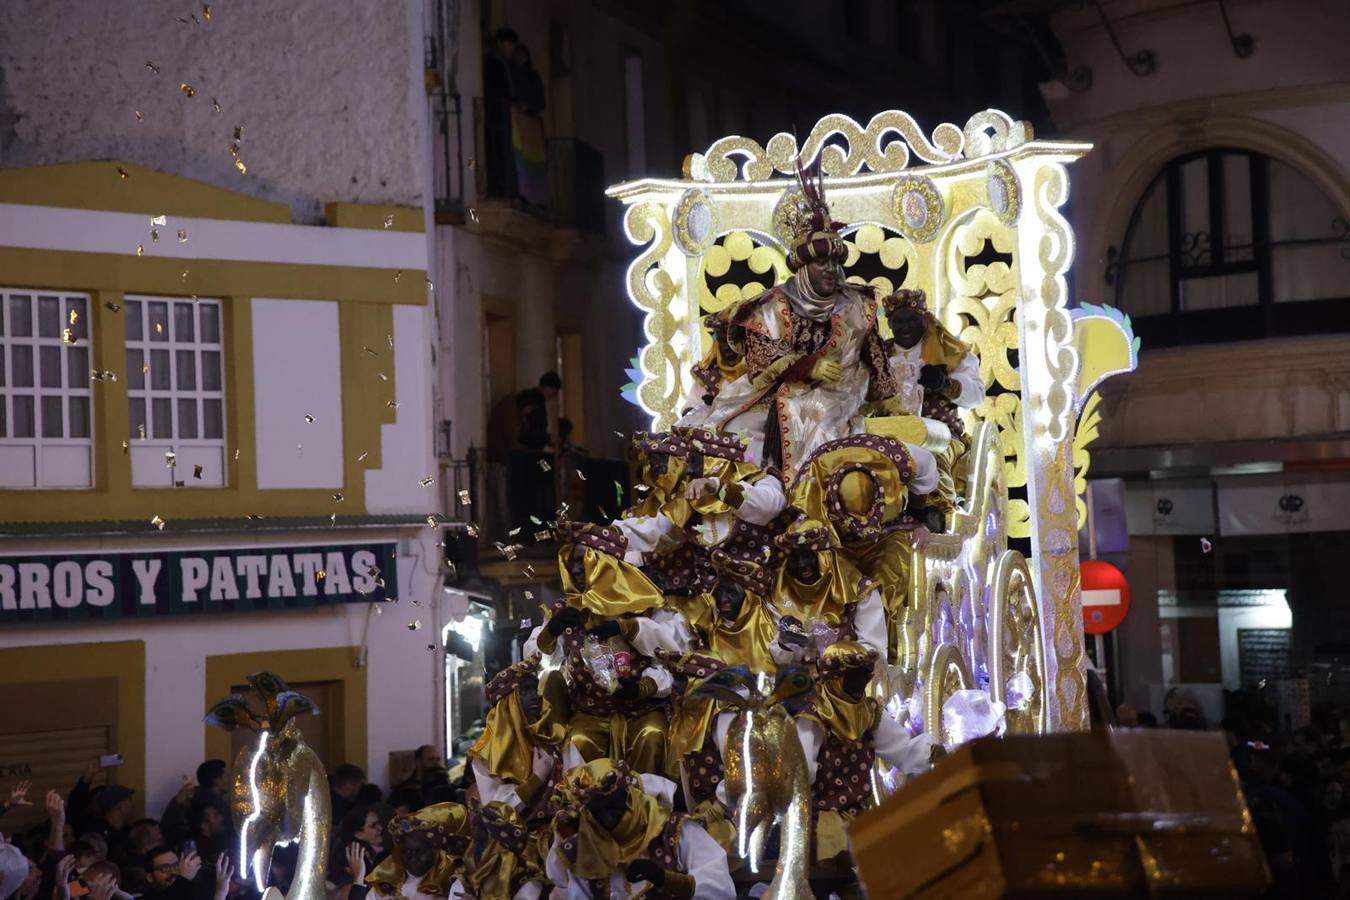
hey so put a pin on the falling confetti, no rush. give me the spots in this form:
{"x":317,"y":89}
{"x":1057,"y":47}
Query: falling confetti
{"x":397,"y":275}
{"x":159,"y":328}
{"x":112,"y":307}
{"x":122,"y":173}
{"x":535,"y":520}
{"x":183,"y":278}
{"x":472,"y":530}
{"x":206,"y":12}
{"x":145,"y":368}
{"x":170,"y":459}
{"x":389,"y":221}
{"x":74,"y":316}
{"x":465,"y":499}
{"x":187,"y":89}
{"x":427,"y":482}
{"x":1205,"y":545}
{"x":377,"y":610}
{"x":338,"y":498}
{"x":473,"y":214}
{"x":529,"y":595}
{"x":238,"y":133}
{"x":139,"y":117}
{"x":332,"y":521}
{"x":641,"y":488}
{"x":581,"y":475}
{"x":432,"y":521}
{"x":513,"y":532}
{"x":159,"y":220}
{"x":140,"y":249}
{"x":321,"y":575}
{"x":370,"y":351}
{"x":197,"y":472}
{"x":541,"y":536}
{"x":383,"y":377}
{"x":618,"y":493}
{"x":473,"y":163}
{"x":141,"y":429}
{"x":182,"y":235}
{"x":392,"y":404}
{"x":105,"y":375}
{"x":154,"y":69}
{"x":157,"y":522}
{"x":68,"y":335}
{"x":126,"y":447}
{"x":309,"y":419}
{"x":239,"y":164}
{"x":252,"y":517}
{"x":214,"y":105}
{"x":529,"y":571}
{"x":236,"y":455}
{"x":362,"y":457}
{"x":154,"y":235}
{"x":390,"y":339}
{"x":544,"y":466}
{"x":415,"y":624}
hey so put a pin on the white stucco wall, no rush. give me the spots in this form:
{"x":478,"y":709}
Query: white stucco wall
{"x":402,"y":676}
{"x":324,"y":91}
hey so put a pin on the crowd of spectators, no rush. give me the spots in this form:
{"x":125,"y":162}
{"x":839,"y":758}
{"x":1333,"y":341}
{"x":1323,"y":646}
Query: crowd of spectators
{"x":92,"y":845}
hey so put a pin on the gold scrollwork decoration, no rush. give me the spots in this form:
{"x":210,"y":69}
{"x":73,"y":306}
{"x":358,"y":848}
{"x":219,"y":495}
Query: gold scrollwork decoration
{"x":1017,"y":646}
{"x":652,"y":289}
{"x":993,"y":131}
{"x":947,"y":673}
{"x":918,"y":207}
{"x":1002,"y":191}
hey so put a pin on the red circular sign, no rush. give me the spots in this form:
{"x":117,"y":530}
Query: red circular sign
{"x":1106,"y":596}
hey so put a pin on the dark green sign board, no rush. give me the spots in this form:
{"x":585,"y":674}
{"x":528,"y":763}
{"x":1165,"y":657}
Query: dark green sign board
{"x":63,"y":587}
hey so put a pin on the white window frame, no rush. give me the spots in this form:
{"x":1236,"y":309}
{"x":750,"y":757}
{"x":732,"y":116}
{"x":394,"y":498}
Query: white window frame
{"x":74,"y":385}
{"x":150,"y":468}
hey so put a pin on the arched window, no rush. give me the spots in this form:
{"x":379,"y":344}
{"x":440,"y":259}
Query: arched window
{"x":1229,"y":245}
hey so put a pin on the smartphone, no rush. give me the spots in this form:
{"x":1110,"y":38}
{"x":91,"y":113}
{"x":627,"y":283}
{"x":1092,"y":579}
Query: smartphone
{"x":188,"y":847}
{"x":108,"y":760}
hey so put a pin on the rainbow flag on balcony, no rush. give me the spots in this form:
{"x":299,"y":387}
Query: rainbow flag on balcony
{"x":530,"y":149}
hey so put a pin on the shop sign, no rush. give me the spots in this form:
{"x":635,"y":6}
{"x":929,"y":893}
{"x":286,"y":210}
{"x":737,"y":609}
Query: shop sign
{"x":59,"y":587}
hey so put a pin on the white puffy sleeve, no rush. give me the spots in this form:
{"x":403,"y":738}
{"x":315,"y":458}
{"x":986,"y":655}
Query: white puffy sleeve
{"x":664,"y":680}
{"x":967,"y":375}
{"x":648,"y":534}
{"x":896,"y":746}
{"x":762,"y":501}
{"x":663,"y":629}
{"x":703,"y":858}
{"x":869,"y":621}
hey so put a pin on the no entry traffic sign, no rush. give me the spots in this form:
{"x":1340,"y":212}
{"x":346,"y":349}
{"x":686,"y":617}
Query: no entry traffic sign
{"x":1106,"y":596}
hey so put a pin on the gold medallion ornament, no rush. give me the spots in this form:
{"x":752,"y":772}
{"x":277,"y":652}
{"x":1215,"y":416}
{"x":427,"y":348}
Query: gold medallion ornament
{"x":1004,"y":195}
{"x":695,"y":222}
{"x":918,"y":208}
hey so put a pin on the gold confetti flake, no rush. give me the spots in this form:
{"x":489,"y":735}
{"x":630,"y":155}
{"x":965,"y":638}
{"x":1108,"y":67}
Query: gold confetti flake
{"x":427,"y":482}
{"x":383,"y":377}
{"x":370,"y":351}
{"x":332,"y":521}
{"x":159,"y":220}
{"x":415,"y":624}
{"x":68,"y":335}
{"x":112,"y":307}
{"x":431,"y":287}
{"x":159,"y":328}
{"x":104,"y":375}
{"x":541,"y":536}
{"x":197,"y":472}
{"x":145,"y":368}
{"x":321,"y":575}
{"x":154,"y":69}
{"x":183,"y":277}
{"x":389,"y":221}
{"x":206,"y":12}
{"x":122,"y":173}
{"x":390,"y":339}
{"x":182,"y":235}
{"x":236,"y":455}
{"x":432,"y":522}
{"x":465,"y":499}
{"x":544,"y":466}
{"x":141,"y":429}
{"x":473,"y":163}
{"x":338,"y":498}
{"x":397,"y":275}
{"x":74,"y":316}
{"x":529,"y":571}
{"x":140,"y":249}
{"x":157,"y":522}
{"x":214,"y":105}
{"x":239,"y":164}
{"x":511,"y":551}
{"x":535,"y":520}
{"x":309,"y":419}
{"x":473,"y":215}
{"x":139,"y":117}
{"x":238,"y":133}
{"x":126,"y":447}
{"x":513,"y":532}
{"x":170,"y":458}
{"x":187,"y":89}
{"x":472,"y":530}
{"x":362,"y":457}
{"x":581,"y":475}
{"x":392,"y":404}
{"x":252,"y":517}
